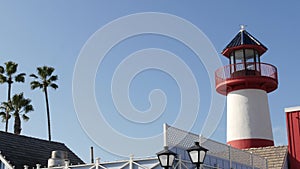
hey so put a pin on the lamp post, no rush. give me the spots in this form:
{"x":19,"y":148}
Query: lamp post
{"x":166,"y":157}
{"x":197,"y":154}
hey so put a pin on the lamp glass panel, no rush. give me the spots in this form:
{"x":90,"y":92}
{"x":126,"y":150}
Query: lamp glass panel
{"x":171,"y":159}
{"x":202,"y":156}
{"x":257,"y":56}
{"x":239,"y":55}
{"x":257,"y":61}
{"x":239,"y":59}
{"x":231,"y":62}
{"x":163,"y":160}
{"x":194,"y":156}
{"x":249,"y":54}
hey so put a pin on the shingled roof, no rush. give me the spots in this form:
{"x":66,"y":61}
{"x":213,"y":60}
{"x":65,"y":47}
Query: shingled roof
{"x":276,"y":155}
{"x":244,"y":39}
{"x":23,"y":150}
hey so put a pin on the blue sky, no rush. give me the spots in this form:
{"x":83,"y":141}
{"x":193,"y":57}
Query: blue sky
{"x":37,"y":33}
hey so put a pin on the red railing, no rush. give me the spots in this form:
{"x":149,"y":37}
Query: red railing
{"x":235,"y":71}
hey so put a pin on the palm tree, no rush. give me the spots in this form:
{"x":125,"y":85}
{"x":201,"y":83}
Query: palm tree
{"x":7,"y":76}
{"x":43,"y":80}
{"x":19,"y":106}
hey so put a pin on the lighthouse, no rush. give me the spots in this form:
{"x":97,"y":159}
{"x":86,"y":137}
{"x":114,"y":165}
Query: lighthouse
{"x":246,"y":81}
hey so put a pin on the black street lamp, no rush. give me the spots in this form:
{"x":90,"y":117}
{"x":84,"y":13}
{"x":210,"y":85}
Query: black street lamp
{"x":197,"y":154}
{"x":166,"y":157}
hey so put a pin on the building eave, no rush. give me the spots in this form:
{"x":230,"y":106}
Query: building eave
{"x":5,"y":162}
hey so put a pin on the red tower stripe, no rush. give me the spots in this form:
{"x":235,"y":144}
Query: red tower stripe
{"x":250,"y":143}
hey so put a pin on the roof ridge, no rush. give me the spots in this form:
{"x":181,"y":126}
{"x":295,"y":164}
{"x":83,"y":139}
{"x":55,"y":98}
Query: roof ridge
{"x":268,"y":147}
{"x":30,"y":137}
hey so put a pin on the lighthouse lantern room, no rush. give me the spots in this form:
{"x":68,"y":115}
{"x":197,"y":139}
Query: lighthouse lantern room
{"x":246,"y":82}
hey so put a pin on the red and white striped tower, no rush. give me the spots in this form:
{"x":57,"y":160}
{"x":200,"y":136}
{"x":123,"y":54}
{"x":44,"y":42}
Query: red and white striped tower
{"x":246,"y":82}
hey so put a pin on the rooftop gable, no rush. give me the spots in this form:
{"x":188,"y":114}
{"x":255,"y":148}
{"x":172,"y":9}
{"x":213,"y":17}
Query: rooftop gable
{"x":276,"y":155}
{"x":23,"y":150}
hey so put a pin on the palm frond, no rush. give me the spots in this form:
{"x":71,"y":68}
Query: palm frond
{"x":28,"y":108}
{"x":2,"y":107}
{"x":2,"y":69}
{"x":3,"y":79}
{"x":3,"y":116}
{"x":25,"y":117}
{"x":35,"y":84}
{"x":21,"y":104}
{"x":42,"y":73}
{"x":49,"y":70}
{"x":11,"y":67}
{"x":7,"y":106}
{"x":54,"y":86}
{"x":34,"y":76}
{"x":53,"y":78}
{"x":20,"y":77}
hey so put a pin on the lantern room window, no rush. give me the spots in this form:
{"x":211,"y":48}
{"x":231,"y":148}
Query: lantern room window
{"x":245,"y":60}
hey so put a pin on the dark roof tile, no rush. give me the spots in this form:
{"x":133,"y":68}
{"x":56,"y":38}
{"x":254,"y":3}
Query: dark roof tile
{"x":23,"y":150}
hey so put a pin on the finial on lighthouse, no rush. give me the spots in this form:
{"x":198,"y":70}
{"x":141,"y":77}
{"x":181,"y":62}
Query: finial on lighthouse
{"x":243,"y":27}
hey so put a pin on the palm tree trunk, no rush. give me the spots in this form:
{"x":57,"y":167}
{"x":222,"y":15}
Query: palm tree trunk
{"x":17,"y":125}
{"x":48,"y":113}
{"x":8,"y":99}
{"x":9,"y":88}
